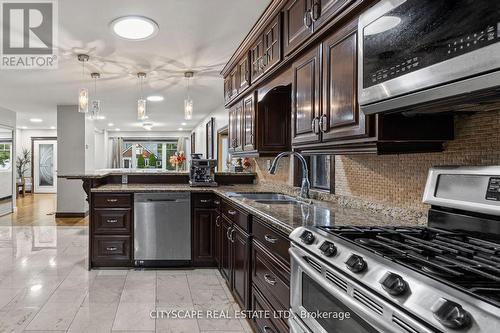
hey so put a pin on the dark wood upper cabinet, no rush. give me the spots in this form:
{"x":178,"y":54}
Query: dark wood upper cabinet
{"x":257,"y":59}
{"x":227,"y":89}
{"x":235,"y":119}
{"x":305,"y":97}
{"x":243,"y":74}
{"x":249,"y":123}
{"x":234,"y":81}
{"x":324,"y":10}
{"x":341,"y":116}
{"x":272,"y":44}
{"x":297,"y":24}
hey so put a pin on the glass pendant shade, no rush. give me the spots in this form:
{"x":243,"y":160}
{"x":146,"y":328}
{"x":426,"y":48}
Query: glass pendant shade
{"x":188,"y":109}
{"x":83,"y":100}
{"x":95,"y":109}
{"x":141,"y":109}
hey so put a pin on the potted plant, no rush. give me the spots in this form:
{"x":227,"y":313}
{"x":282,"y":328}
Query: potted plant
{"x":22,"y":163}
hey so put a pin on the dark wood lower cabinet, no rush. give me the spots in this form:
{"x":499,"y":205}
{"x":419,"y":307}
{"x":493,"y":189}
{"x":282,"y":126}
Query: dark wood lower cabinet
{"x":225,"y":246}
{"x":203,"y":237}
{"x":263,"y":324}
{"x":240,"y":259}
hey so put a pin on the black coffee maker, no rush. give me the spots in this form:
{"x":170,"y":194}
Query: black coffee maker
{"x":202,"y":171}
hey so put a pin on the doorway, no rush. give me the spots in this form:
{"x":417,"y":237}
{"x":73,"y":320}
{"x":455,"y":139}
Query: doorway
{"x":44,"y":165}
{"x":7,"y":165}
{"x":223,"y":160}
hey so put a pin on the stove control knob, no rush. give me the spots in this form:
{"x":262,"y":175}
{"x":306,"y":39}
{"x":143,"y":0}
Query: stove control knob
{"x":356,"y":263}
{"x":394,"y":284}
{"x":307,"y":237}
{"x":328,"y":249}
{"x":451,"y":314}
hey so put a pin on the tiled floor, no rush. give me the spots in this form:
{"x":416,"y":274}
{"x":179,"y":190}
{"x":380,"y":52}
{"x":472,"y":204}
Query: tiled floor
{"x":44,"y":286}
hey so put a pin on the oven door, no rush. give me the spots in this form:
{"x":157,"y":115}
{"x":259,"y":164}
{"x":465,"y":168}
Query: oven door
{"x":409,"y":45}
{"x":323,"y":300}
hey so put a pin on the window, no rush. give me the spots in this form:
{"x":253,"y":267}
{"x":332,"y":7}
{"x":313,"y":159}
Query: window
{"x":5,"y":156}
{"x":320,"y":171}
{"x":150,"y":155}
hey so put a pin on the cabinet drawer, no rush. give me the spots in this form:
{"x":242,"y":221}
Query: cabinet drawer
{"x":203,"y":200}
{"x":263,"y":324}
{"x":111,"y":248}
{"x":112,"y":200}
{"x":271,"y":277}
{"x":235,"y":215}
{"x":112,"y":221}
{"x":272,"y":241}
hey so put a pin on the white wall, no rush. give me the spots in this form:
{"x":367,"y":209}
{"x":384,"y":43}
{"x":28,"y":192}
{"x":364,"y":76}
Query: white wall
{"x":71,"y":159}
{"x":100,"y":154}
{"x":24,"y":141}
{"x":221,"y":120}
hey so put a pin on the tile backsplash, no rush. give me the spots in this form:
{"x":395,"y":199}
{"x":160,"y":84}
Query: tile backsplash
{"x":398,"y":180}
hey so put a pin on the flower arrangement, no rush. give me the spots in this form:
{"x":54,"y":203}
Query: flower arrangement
{"x":178,"y":159}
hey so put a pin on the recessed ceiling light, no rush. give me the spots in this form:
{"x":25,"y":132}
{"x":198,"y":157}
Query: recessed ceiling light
{"x":147,"y":126}
{"x":36,"y":120}
{"x":155,"y":98}
{"x":134,"y":27}
{"x":111,"y":124}
{"x":23,"y":127}
{"x":180,"y":128}
{"x":183,"y":124}
{"x":117,"y":129}
{"x":52,"y":127}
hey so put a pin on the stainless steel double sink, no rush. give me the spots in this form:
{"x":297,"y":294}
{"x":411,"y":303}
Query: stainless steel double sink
{"x":268,"y":198}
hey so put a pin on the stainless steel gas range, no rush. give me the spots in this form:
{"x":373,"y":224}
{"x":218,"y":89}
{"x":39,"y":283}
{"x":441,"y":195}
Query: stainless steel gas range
{"x":444,"y":277}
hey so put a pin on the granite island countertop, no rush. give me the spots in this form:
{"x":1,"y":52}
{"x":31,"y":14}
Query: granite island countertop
{"x":282,"y":216}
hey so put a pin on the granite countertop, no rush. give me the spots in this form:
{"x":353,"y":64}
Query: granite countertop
{"x":118,"y":172}
{"x":282,"y":216}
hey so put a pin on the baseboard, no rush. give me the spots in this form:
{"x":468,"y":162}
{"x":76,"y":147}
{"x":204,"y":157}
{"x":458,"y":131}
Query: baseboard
{"x":69,"y":214}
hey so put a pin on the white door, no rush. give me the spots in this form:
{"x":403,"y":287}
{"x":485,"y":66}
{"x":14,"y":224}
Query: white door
{"x":45,"y":166}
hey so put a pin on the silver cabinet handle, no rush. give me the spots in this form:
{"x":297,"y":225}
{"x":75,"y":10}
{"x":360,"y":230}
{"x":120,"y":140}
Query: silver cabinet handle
{"x":227,"y":233}
{"x":217,"y":222}
{"x":323,"y":123}
{"x":112,"y":220}
{"x":268,"y":329}
{"x":231,"y":235}
{"x":112,"y":200}
{"x":315,"y":125}
{"x":269,"y":279}
{"x":270,"y":239}
{"x":308,"y":18}
{"x":231,"y":212}
{"x":111,"y":248}
{"x":316,"y":11}
{"x":205,"y":200}
{"x":217,"y":202}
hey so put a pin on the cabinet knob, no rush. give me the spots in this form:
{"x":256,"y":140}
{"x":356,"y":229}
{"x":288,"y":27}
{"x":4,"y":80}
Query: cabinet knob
{"x":231,"y":212}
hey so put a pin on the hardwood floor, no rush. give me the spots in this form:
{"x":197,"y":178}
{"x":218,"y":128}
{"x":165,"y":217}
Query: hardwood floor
{"x":39,"y":209}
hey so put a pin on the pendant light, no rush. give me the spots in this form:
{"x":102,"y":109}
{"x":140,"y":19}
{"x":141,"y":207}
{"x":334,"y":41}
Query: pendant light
{"x":83,"y":93}
{"x":95,"y":109}
{"x":188,"y":102}
{"x":141,"y":102}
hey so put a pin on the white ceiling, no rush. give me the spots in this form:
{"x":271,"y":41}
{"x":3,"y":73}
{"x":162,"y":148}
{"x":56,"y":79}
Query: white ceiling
{"x":197,"y":35}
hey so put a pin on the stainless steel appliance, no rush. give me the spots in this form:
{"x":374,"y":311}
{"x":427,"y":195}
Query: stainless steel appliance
{"x":202,"y":172}
{"x":441,"y":278}
{"x":416,"y":51}
{"x":162,"y":229}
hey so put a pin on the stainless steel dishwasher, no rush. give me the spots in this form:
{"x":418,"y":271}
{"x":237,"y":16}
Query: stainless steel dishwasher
{"x":162,"y":229}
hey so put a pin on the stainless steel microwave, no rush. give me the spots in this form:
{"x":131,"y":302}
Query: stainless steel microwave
{"x":417,"y":51}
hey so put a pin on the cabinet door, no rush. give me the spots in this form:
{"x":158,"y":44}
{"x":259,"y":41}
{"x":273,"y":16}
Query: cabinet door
{"x":218,"y":240}
{"x":240,"y":266}
{"x":297,"y":25}
{"x":249,"y":123}
{"x":305,"y":98}
{"x":238,"y":120}
{"x":203,"y":250}
{"x":234,"y":81}
{"x":341,"y":117}
{"x":272,"y":44}
{"x":225,"y":255}
{"x":243,"y":74}
{"x":227,"y":89}
{"x":323,"y":10}
{"x":257,"y":59}
{"x":232,"y":130}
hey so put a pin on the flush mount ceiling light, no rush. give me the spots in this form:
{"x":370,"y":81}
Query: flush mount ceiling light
{"x":83,"y":93}
{"x":134,"y":27}
{"x":36,"y":120}
{"x":147,"y":126}
{"x":155,"y":98}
